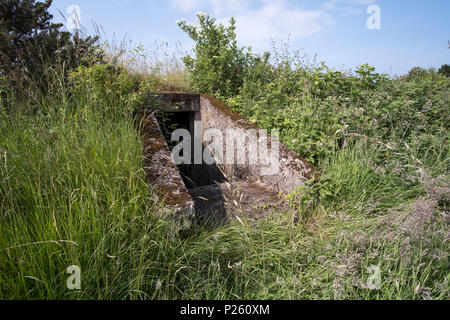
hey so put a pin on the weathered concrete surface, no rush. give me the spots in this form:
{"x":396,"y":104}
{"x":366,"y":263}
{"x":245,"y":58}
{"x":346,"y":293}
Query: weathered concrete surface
{"x":222,"y":202}
{"x":293,"y":171}
{"x":160,"y":169}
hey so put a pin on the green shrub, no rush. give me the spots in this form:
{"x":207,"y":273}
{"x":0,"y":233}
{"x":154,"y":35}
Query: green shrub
{"x":315,"y":108}
{"x":219,"y":65}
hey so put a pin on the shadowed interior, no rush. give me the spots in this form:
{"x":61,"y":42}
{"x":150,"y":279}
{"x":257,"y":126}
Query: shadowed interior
{"x":194,"y":175}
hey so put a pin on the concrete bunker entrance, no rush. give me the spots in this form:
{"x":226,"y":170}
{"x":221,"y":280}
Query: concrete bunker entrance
{"x":194,"y":175}
{"x":214,"y":192}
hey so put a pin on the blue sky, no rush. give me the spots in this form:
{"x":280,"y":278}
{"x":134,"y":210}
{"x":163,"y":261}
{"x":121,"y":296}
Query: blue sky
{"x":412,"y":33}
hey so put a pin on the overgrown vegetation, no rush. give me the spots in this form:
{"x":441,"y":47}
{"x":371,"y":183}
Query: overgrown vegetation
{"x":33,"y":50}
{"x":73,"y":190}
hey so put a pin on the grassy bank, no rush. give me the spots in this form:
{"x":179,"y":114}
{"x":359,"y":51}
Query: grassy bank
{"x":73,"y":193}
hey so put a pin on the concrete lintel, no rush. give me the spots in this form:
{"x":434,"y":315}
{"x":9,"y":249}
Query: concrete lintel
{"x":175,"y":101}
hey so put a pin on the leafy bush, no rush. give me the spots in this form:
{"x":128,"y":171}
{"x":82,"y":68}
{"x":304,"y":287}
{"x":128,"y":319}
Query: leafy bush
{"x":219,"y":65}
{"x":316,"y":108}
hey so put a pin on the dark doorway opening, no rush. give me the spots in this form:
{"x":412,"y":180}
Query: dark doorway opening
{"x":194,"y":175}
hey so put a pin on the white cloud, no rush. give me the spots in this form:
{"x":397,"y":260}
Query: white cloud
{"x":228,"y":6}
{"x":275,"y":19}
{"x":187,"y":5}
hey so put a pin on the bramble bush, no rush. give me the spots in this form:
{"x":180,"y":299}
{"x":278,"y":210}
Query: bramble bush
{"x":313,"y":106}
{"x":321,"y":113}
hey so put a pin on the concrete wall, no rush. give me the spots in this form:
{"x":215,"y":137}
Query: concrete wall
{"x":161,"y":172}
{"x":293,"y":170}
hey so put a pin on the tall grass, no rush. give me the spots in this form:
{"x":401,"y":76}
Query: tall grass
{"x":160,"y":60}
{"x":72,"y":192}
